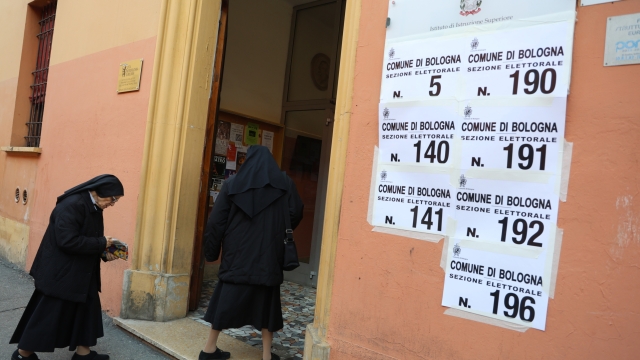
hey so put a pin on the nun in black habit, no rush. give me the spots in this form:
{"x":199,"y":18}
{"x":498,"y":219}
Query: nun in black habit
{"x":248,"y":224}
{"x":64,"y":310}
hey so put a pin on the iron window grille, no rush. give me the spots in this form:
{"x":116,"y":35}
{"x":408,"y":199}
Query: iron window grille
{"x":41,"y":74}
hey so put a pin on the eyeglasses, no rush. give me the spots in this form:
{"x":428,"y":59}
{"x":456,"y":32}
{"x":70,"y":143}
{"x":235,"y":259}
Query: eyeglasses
{"x":114,"y":200}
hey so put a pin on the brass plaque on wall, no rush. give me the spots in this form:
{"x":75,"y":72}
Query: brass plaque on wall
{"x":129,"y":76}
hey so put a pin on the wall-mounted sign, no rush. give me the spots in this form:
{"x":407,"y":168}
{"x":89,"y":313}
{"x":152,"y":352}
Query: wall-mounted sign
{"x":480,"y":64}
{"x":595,"y":2}
{"x":622,"y":44}
{"x":411,"y":17}
{"x":129,"y":75}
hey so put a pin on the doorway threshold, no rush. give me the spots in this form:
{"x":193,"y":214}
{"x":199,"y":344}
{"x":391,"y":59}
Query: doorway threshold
{"x":298,"y":309}
{"x":184,"y":338}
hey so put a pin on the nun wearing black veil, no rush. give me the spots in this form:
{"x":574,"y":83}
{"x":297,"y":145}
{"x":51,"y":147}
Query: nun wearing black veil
{"x":248,"y":224}
{"x":64,"y":310}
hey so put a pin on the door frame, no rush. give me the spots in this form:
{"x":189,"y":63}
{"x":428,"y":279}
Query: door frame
{"x":198,"y":260}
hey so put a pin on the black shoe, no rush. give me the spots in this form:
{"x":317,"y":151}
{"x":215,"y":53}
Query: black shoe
{"x":16,"y":356}
{"x":274,"y":357}
{"x":218,"y":354}
{"x":92,"y":355}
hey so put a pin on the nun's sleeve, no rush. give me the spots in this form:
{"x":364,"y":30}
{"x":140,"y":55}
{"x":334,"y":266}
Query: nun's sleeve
{"x":296,"y":206}
{"x":68,"y":228}
{"x":217,"y":225}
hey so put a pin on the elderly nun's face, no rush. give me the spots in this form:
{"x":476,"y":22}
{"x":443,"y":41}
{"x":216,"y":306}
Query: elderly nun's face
{"x":104,"y":203}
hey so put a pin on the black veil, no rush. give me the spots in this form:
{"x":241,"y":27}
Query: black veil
{"x":258,"y":183}
{"x":104,"y":185}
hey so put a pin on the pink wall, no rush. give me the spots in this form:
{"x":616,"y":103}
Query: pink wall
{"x":12,"y":175}
{"x":88,"y":130}
{"x":388,"y":289}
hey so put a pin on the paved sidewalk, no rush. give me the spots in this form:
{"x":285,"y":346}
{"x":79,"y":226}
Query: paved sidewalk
{"x":16,"y":288}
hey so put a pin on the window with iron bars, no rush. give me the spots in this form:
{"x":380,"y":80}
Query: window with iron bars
{"x":41,"y":74}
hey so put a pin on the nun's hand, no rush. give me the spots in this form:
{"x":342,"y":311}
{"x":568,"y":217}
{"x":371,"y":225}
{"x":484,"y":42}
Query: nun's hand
{"x":109,"y":241}
{"x":111,"y":257}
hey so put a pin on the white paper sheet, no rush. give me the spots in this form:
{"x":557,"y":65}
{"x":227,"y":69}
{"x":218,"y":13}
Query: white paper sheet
{"x":522,"y":62}
{"x":497,"y":285}
{"x":267,"y":139}
{"x":237,"y":132}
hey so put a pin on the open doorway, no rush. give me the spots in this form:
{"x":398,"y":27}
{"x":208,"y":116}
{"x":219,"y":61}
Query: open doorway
{"x":277,"y":87}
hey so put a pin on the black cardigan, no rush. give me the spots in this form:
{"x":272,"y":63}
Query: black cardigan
{"x":252,"y":248}
{"x":71,"y":248}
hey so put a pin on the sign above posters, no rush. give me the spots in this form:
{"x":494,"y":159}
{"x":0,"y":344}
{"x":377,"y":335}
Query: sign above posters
{"x":595,"y":2}
{"x":622,"y":44}
{"x":411,"y":17}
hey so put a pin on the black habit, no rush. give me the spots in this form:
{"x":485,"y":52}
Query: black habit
{"x":247,"y":223}
{"x":64,"y":309}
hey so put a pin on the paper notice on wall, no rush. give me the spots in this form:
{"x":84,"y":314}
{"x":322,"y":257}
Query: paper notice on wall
{"x":252,"y":134}
{"x":526,"y":62}
{"x":267,"y":140}
{"x":222,"y":138}
{"x":237,"y":132}
{"x":498,"y":134}
{"x":495,"y":211}
{"x":517,"y":135}
{"x":415,"y":133}
{"x":500,"y":284}
{"x":414,"y":201}
{"x":506,"y":212}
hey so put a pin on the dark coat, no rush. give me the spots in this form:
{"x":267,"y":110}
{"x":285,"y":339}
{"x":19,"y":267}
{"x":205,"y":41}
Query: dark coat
{"x":70,"y":250}
{"x":252,"y":247}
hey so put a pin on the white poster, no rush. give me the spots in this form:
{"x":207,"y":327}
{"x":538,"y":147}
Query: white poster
{"x":494,"y":211}
{"x":414,"y":201}
{"x":267,"y":139}
{"x":506,"y":212}
{"x":410,"y":17}
{"x":517,"y":135}
{"x":237,"y":133}
{"x":505,"y":284}
{"x":419,"y":133}
{"x":527,"y":62}
{"x":512,"y":135}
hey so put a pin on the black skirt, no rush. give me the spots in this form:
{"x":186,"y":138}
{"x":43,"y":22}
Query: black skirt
{"x":236,"y":305}
{"x":49,"y":323}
